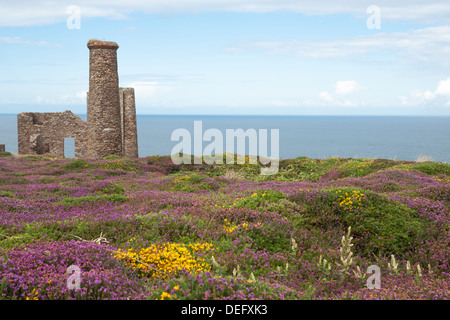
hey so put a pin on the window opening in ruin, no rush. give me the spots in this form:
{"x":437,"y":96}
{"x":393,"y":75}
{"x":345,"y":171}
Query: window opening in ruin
{"x":69,"y":147}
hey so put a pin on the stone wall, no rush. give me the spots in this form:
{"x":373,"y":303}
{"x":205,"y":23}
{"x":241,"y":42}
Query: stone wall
{"x":44,"y":133}
{"x":2,"y":148}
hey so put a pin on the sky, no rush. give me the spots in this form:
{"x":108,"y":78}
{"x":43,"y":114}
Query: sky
{"x":252,"y":57}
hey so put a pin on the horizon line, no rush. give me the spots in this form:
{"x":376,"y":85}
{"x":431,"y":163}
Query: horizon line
{"x":253,"y":115}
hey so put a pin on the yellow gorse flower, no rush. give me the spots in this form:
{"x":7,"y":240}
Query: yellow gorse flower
{"x":402,"y":166}
{"x":351,"y":201}
{"x":118,"y":164}
{"x":446,"y":180}
{"x":34,"y":295}
{"x":166,"y":259}
{"x":165,"y":295}
{"x":230,"y":228}
{"x":179,"y":181}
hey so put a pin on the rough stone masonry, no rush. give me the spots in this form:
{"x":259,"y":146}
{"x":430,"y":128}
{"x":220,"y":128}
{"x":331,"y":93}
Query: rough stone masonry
{"x":111,"y":127}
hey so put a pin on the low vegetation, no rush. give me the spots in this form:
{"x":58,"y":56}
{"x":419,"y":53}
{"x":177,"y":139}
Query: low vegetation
{"x":150,"y":229}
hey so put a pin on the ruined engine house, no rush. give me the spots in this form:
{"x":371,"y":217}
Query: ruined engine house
{"x":111,"y":127}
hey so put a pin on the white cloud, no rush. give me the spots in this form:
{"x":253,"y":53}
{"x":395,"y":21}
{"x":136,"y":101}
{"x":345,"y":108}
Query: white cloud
{"x":284,"y":103}
{"x":325,"y":96}
{"x":78,"y":98}
{"x":19,"y":40}
{"x":81,"y":95}
{"x":41,"y":12}
{"x":428,"y":95}
{"x":428,"y":44}
{"x":340,"y":97}
{"x":403,"y":100}
{"x":347,"y":87}
{"x":150,"y":92}
{"x":332,"y":100}
{"x":440,"y":96}
{"x":444,"y":88}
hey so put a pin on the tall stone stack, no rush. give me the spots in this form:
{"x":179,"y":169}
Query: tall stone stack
{"x":2,"y":148}
{"x":129,"y":125}
{"x":103,"y":110}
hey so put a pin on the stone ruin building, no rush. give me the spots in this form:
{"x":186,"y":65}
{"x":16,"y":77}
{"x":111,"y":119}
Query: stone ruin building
{"x":110,"y":128}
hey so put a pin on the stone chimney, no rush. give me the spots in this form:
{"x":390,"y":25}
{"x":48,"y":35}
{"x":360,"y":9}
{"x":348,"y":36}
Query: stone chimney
{"x":129,"y":125}
{"x":103,"y":110}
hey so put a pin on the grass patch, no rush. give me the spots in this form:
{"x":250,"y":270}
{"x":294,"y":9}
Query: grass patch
{"x":261,"y":200}
{"x":76,"y":164}
{"x":362,"y":167}
{"x":303,"y":168}
{"x":92,"y":199}
{"x":114,"y":188}
{"x":31,"y":233}
{"x":118,"y":164}
{"x":433,"y":168}
{"x":112,"y":157}
{"x":4,"y":181}
{"x":6,"y":194}
{"x":194,"y":182}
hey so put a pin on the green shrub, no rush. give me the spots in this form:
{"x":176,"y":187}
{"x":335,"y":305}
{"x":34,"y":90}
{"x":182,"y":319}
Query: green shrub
{"x":261,"y":200}
{"x":269,"y":238}
{"x":363,"y":167}
{"x":219,"y":287}
{"x":433,"y":168}
{"x":5,"y":154}
{"x":76,"y":164}
{"x":29,"y":234}
{"x":379,"y":226}
{"x":193,"y":182}
{"x":118,"y":164}
{"x":93,"y":199}
{"x":112,"y":157}
{"x":238,"y":160}
{"x":32,"y":158}
{"x":172,"y":228}
{"x":6,"y":194}
{"x":114,"y":189}
{"x":12,"y":181}
{"x":46,"y":179}
{"x":303,"y":168}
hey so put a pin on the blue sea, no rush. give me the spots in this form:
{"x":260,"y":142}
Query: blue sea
{"x":388,"y":137}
